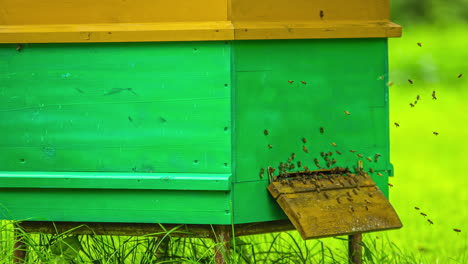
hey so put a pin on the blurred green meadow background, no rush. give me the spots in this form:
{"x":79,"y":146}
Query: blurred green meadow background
{"x":429,"y":168}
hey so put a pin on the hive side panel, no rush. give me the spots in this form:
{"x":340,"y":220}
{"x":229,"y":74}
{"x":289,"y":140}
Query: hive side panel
{"x":139,"y":107}
{"x":292,"y":89}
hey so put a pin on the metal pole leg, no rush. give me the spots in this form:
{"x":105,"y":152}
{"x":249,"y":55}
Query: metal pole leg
{"x":19,"y":250}
{"x":355,"y":248}
{"x":222,"y":238}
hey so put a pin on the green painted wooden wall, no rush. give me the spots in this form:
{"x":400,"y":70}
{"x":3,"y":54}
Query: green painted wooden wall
{"x":177,"y":112}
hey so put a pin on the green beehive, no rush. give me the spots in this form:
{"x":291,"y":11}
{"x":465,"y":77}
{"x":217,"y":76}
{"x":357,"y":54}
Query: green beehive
{"x":170,"y":119}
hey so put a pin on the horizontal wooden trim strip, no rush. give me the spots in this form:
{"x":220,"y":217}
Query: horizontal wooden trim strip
{"x":115,"y":180}
{"x":196,"y":31}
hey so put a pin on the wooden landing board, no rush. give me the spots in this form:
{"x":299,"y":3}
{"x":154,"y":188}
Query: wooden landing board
{"x":322,"y":208}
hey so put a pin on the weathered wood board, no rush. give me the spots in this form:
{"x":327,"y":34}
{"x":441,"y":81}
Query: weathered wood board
{"x":335,"y":205}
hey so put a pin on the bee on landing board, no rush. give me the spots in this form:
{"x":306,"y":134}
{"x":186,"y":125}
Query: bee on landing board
{"x":290,"y":82}
{"x":419,"y":44}
{"x":457,"y":230}
{"x":435,"y":133}
{"x":416,"y":208}
{"x":397,"y":124}
{"x":322,"y":130}
{"x":410,"y":81}
{"x":304,"y":148}
{"x":434,"y":97}
{"x":303,"y":82}
{"x":430,"y":221}
{"x":460,"y":75}
{"x":346,"y":112}
{"x":333,"y":144}
{"x":265,"y":132}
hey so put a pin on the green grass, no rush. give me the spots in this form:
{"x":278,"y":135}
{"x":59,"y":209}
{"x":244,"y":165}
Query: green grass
{"x":429,"y":173}
{"x":429,"y":169}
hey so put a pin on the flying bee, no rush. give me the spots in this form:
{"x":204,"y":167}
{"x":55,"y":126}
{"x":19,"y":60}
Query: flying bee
{"x":262,"y":173}
{"x":19,"y":47}
{"x":423,"y":214}
{"x":411,"y":104}
{"x":434,"y":97}
{"x":265,"y":132}
{"x":410,"y":81}
{"x":416,"y":208}
{"x":290,"y":82}
{"x":293,"y":155}
{"x":299,"y":164}
{"x":322,"y":130}
{"x":304,"y":140}
{"x":457,"y":230}
{"x":460,"y":75}
{"x":430,"y":221}
{"x":435,"y":133}
{"x":419,"y":44}
{"x":389,"y":84}
{"x":352,"y":151}
{"x":397,"y":124}
{"x":389,"y":184}
{"x":270,"y":146}
{"x":359,"y":155}
{"x":303,"y":82}
{"x":333,"y":144}
{"x":379,"y":174}
{"x":338,"y":152}
{"x":346,"y":112}
{"x":369,"y":159}
{"x":304,"y":148}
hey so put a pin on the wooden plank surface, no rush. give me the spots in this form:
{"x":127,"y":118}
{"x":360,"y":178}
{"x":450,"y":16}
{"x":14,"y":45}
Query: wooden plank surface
{"x":335,"y":210}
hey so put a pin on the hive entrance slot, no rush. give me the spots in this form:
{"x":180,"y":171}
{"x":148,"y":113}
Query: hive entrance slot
{"x":333,"y":202}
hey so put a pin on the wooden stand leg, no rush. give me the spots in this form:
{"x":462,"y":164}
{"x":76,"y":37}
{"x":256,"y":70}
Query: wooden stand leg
{"x":222,"y":238}
{"x":355,"y":249}
{"x":19,"y":250}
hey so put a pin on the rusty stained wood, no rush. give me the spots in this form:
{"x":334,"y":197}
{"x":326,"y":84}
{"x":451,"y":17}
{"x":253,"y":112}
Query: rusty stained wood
{"x":142,"y":229}
{"x":324,"y":208}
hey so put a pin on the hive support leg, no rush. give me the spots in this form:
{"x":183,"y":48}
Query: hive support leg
{"x":222,"y":238}
{"x":355,"y":248}
{"x":19,"y":249}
